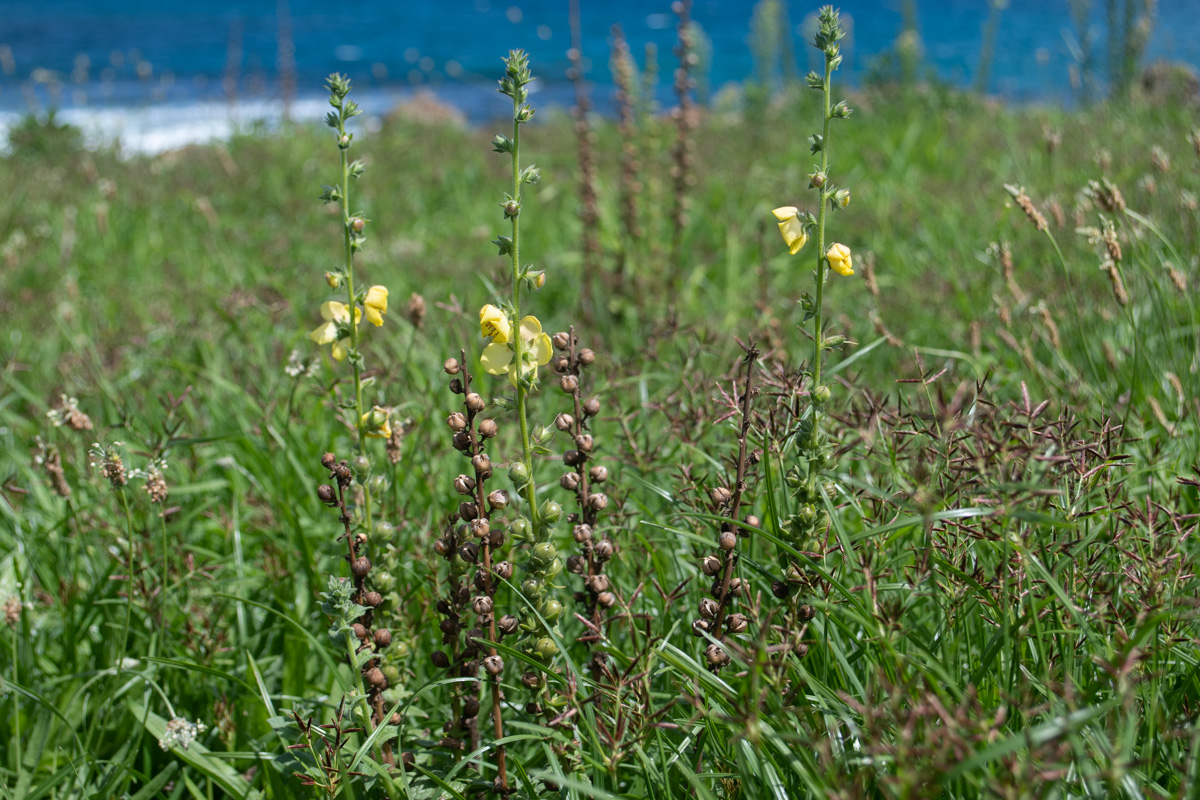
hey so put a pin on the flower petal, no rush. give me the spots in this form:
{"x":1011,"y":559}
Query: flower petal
{"x":333,"y":311}
{"x":324,"y":334}
{"x":376,"y":296}
{"x":373,"y":316}
{"x":784,"y":213}
{"x":530,"y":328}
{"x":543,"y":349}
{"x":496,"y":358}
{"x":339,"y":350}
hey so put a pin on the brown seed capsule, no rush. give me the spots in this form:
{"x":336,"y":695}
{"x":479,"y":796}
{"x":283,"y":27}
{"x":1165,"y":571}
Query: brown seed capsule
{"x":456,"y":386}
{"x":582,"y":533}
{"x":375,"y":678}
{"x":468,"y":510}
{"x":450,"y":365}
{"x":457,"y":421}
{"x":469,"y":552}
{"x":507,"y":624}
{"x":464,"y":484}
{"x":360,"y":630}
{"x":592,"y":407}
{"x":753,"y":521}
{"x":361,"y":567}
{"x":372,"y":599}
{"x":568,"y":383}
{"x":327,"y":495}
{"x":584,"y":442}
{"x":569,"y":481}
{"x":503,"y":569}
{"x":721,"y":496}
{"x":561,"y":340}
{"x":475,"y":403}
{"x":328,"y":460}
{"x":564,"y":422}
{"x":598,"y":474}
{"x":699,"y":627}
{"x":449,"y":626}
{"x":598,"y":583}
{"x":531,"y":680}
{"x":498,"y":500}
{"x":576,"y":564}
{"x":482,"y":605}
{"x":560,"y":364}
{"x":488,"y":428}
{"x":737,"y":623}
{"x":482,"y":465}
{"x":606,"y":599}
{"x":461,"y":441}
{"x":800,"y":649}
{"x":597,"y":501}
{"x":806,"y":612}
{"x":441,"y":547}
{"x":716,"y":656}
{"x":727,"y":540}
{"x":780,"y":589}
{"x":708,"y":608}
{"x":604,"y":549}
{"x":711,"y":565}
{"x":480,"y":581}
{"x":383,"y":637}
{"x":586,"y":357}
{"x":494,"y":665}
{"x":573,"y":458}
{"x":444,"y":607}
{"x":470,"y":707}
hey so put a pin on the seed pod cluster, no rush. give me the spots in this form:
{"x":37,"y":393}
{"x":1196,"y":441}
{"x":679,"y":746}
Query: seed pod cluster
{"x":586,"y":480}
{"x":376,"y":640}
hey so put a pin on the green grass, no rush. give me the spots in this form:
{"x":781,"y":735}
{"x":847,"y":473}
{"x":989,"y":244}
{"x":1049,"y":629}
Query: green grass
{"x":1005,"y":602}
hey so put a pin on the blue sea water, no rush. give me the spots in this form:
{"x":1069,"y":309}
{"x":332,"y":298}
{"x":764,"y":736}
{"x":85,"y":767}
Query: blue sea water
{"x":93,"y":56}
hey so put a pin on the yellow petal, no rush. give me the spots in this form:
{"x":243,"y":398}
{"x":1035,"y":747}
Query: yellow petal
{"x":496,"y":358}
{"x":494,"y":323}
{"x":373,"y":316}
{"x":324,"y":334}
{"x":334,"y":311}
{"x":339,"y":350}
{"x":784,"y":213}
{"x":376,"y":298}
{"x":840,"y":260}
{"x":794,"y":234}
{"x":530,"y":328}
{"x":543,"y":349}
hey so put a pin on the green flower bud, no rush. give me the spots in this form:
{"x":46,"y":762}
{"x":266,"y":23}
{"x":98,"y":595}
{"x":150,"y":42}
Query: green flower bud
{"x":555,"y":567}
{"x":361,"y":465}
{"x":551,"y":610}
{"x":551,"y":511}
{"x":545,"y":648}
{"x":532,"y":588}
{"x":518,"y":473}
{"x":544,"y":553}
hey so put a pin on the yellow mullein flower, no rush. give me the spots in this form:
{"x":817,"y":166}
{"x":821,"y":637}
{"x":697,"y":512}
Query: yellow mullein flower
{"x":838,"y":257}
{"x":376,"y":304}
{"x":336,"y":330}
{"x":794,"y":232}
{"x":536,"y":350}
{"x":377,"y":423}
{"x":494,"y":323}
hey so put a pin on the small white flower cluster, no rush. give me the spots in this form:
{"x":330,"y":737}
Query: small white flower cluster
{"x":181,"y":733}
{"x":299,"y":367}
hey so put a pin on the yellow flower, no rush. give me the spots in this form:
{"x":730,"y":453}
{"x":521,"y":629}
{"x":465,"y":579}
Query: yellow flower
{"x":376,"y":304}
{"x":792,"y":228}
{"x":336,"y":330}
{"x":377,"y":423}
{"x":494,"y":323}
{"x":536,"y":350}
{"x":838,"y":257}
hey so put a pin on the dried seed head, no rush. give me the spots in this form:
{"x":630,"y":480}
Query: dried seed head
{"x":372,"y":599}
{"x":327,"y":495}
{"x":383,"y":638}
{"x":584,"y":442}
{"x":456,"y":386}
{"x":475,"y":403}
{"x":708,"y":608}
{"x":735,"y":586}
{"x":711,"y":565}
{"x":716,"y":656}
{"x":441,"y":547}
{"x":507,"y":624}
{"x":416,"y":310}
{"x":1118,"y":285}
{"x":604,"y":550}
{"x":586,"y":357}
{"x":494,"y":665}
{"x":461,"y":441}
{"x":800,"y":649}
{"x":573,"y":458}
{"x":488,"y":428}
{"x":569,"y":481}
{"x":464,"y":484}
{"x":568,"y":384}
{"x":699,"y":627}
{"x":451,"y":367}
{"x":457,"y":421}
{"x":753,"y":521}
{"x":576,"y":564}
{"x":560,"y":364}
{"x":561,"y":340}
{"x":780,"y":589}
{"x":564,"y":422}
{"x":1026,"y":205}
{"x":498,"y":500}
{"x":597,"y":501}
{"x":469,"y":552}
{"x":482,"y":465}
{"x":531,"y":680}
{"x":482,"y":605}
{"x":361,"y":567}
{"x":582,"y":533}
{"x":806,"y":612}
{"x":606,"y":599}
{"x":592,"y":407}
{"x":468,"y":510}
{"x":470,"y":707}
{"x":598,"y":474}
{"x":737,"y":623}
{"x":721,"y":496}
{"x":480,"y":528}
{"x":503,"y":569}
{"x":328,"y":460}
{"x":375,"y":678}
{"x":727,"y":540}
{"x":598,"y":583}
{"x":360,"y":630}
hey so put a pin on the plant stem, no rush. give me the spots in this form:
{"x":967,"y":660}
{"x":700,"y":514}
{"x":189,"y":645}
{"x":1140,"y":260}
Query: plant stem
{"x":530,"y":488}
{"x":817,"y":317}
